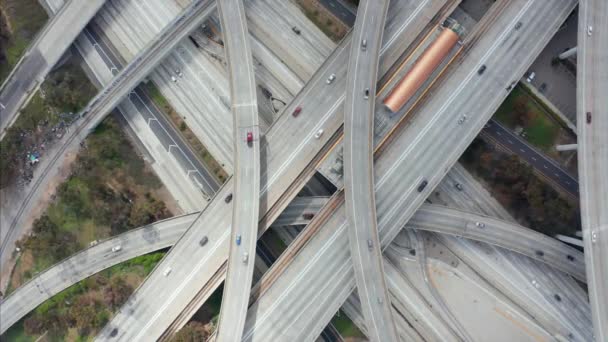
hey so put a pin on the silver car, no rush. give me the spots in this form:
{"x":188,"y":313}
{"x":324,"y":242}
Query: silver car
{"x":331,"y":78}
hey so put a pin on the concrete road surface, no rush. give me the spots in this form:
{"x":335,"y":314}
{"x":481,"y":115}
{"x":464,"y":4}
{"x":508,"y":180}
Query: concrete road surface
{"x":505,"y":51}
{"x":42,"y":55}
{"x":246,"y":139}
{"x":592,"y":125}
{"x":359,"y":109}
{"x":541,"y":163}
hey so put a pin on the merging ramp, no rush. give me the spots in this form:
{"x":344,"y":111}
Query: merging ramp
{"x":246,"y":139}
{"x":592,"y":119}
{"x":359,"y":106}
{"x":40,"y":58}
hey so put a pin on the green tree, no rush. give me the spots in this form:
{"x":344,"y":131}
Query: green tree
{"x":192,"y":332}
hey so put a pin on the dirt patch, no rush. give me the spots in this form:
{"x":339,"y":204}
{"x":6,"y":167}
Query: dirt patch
{"x":333,"y":27}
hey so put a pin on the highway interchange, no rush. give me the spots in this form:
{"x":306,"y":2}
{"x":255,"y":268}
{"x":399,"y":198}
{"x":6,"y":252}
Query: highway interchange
{"x":415,"y":152}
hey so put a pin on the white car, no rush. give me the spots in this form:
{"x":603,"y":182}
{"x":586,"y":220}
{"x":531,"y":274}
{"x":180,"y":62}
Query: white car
{"x":245,"y":257}
{"x":531,"y":77}
{"x":167,"y":271}
{"x":173,"y":79}
{"x":116,"y":248}
{"x":480,"y":224}
{"x":589,"y":30}
{"x":319,"y":134}
{"x":331,"y":78}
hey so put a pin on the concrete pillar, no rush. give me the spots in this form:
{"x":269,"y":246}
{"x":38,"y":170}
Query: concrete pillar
{"x":568,"y":147}
{"x":568,"y":53}
{"x":570,"y":240}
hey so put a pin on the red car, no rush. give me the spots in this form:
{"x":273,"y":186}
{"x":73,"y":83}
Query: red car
{"x":249,"y":137}
{"x":297,"y":111}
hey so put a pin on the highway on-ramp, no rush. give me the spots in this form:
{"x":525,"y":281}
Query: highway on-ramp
{"x":359,"y":109}
{"x":246,"y":138}
{"x":592,"y":119}
{"x":40,"y":58}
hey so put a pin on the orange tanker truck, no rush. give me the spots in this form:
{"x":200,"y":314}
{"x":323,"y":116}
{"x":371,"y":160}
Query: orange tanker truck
{"x":422,"y":69}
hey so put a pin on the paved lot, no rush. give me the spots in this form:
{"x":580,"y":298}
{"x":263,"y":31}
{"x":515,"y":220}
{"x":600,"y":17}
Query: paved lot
{"x":560,"y":83}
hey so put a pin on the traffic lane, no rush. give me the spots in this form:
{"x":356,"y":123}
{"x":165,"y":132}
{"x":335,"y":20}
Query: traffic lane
{"x":88,"y":262}
{"x":358,"y":171}
{"x":282,"y":159}
{"x":435,"y":127}
{"x":592,"y":85}
{"x":501,"y":233}
{"x":163,"y":129}
{"x":541,"y":163}
{"x":18,"y":87}
{"x":391,"y":187}
{"x":340,"y":11}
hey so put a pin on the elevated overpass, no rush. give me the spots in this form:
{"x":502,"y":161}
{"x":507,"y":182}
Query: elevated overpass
{"x":246,"y":136}
{"x":419,"y":153}
{"x":42,"y":55}
{"x":359,"y":109}
{"x":592,"y":125}
{"x":288,"y":166}
{"x":166,"y":233}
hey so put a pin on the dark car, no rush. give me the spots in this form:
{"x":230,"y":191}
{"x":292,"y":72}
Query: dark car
{"x":422,"y":185}
{"x":296,"y":30}
{"x":482,"y":69}
{"x":308,"y":216}
{"x":249,"y":138}
{"x":203,"y":241}
{"x":228,"y":198}
{"x":588,"y":117}
{"x":296,"y":111}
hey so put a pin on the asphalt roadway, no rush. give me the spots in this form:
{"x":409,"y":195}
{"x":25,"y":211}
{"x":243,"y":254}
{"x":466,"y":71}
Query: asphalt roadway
{"x":359,"y":109}
{"x":592,"y":119}
{"x":42,"y":55}
{"x":541,"y":163}
{"x":246,"y":139}
{"x":340,"y":10}
{"x":158,"y":123}
{"x":421,"y":153}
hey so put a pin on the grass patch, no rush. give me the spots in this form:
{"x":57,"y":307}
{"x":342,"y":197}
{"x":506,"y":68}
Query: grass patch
{"x":109,"y":192}
{"x":16,"y":333}
{"x":195,"y":144}
{"x":523,"y":110}
{"x":325,"y":22}
{"x":345,"y":326}
{"x":80,"y":311}
{"x":45,"y":118}
{"x":24,"y":19}
{"x":521,"y":191}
